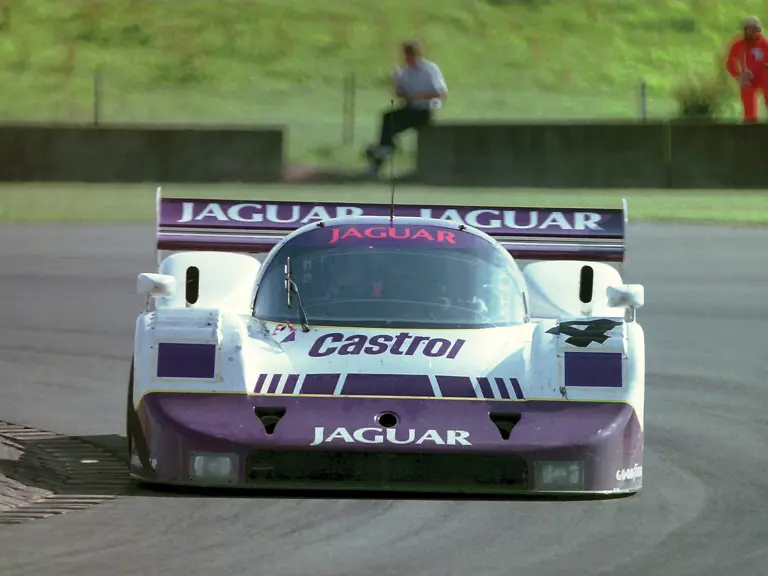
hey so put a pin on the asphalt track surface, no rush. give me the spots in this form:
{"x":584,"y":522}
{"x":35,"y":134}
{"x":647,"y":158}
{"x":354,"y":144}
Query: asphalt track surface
{"x":67,"y":308}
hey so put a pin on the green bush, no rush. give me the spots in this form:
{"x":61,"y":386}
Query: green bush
{"x":703,"y":97}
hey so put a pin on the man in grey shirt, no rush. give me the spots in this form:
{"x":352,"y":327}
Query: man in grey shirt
{"x":421,"y":86}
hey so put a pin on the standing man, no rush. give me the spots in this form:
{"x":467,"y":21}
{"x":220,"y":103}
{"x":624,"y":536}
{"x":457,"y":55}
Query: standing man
{"x":747,"y":63}
{"x":421,"y":86}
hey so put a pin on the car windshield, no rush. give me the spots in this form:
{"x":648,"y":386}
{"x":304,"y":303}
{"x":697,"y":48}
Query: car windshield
{"x":393,"y":276}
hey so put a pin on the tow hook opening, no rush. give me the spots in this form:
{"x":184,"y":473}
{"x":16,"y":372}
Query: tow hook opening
{"x":269,"y":417}
{"x":505,"y":423}
{"x":387,"y":419}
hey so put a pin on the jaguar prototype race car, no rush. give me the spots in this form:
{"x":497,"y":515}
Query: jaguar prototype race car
{"x":433,"y":348}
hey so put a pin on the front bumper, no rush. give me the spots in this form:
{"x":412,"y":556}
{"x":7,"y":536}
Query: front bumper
{"x":456,"y":446}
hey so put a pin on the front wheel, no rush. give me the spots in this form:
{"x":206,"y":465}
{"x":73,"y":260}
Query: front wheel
{"x":134,"y":436}
{"x":129,"y":415}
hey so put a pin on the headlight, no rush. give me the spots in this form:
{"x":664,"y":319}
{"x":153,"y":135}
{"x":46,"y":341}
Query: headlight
{"x":558,"y":476}
{"x":217,"y":467}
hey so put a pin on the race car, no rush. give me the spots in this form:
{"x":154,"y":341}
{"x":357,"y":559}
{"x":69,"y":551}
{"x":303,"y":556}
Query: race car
{"x":410,"y":348}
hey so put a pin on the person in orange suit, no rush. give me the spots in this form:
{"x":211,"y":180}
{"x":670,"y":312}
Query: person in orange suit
{"x":748,"y":64}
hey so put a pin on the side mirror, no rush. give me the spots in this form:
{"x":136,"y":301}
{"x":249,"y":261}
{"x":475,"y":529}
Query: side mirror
{"x":159,"y":285}
{"x":631,"y":296}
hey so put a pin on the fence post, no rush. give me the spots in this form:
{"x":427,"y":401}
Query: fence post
{"x":643,"y":99}
{"x":348,"y":112}
{"x":97,"y":89}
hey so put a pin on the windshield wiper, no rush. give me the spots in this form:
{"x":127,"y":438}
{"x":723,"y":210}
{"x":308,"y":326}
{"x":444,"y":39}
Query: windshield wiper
{"x":291,"y":288}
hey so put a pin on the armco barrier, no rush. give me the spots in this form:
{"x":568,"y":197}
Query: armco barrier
{"x":718,"y":156}
{"x":67,"y":153}
{"x":598,"y":155}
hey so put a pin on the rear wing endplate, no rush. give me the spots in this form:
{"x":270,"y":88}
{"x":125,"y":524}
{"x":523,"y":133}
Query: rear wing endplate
{"x":254,"y":226}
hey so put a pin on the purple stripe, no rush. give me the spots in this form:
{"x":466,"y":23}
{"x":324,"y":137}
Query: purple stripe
{"x":516,"y":388}
{"x":290,"y":383}
{"x":274,"y":380}
{"x":225,"y":243}
{"x":485,"y":387}
{"x":456,"y":387}
{"x":560,"y":252}
{"x":259,"y":383}
{"x":502,"y":389}
{"x":387,"y":385}
{"x":221,"y":243}
{"x":319,"y":384}
{"x":403,"y":385}
{"x":594,"y":369}
{"x":175,"y":360}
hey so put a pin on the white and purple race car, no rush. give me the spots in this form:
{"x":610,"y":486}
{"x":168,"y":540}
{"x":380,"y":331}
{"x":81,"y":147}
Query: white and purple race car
{"x":340,"y":346}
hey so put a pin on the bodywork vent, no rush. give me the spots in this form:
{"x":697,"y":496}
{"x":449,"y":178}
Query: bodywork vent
{"x":196,"y":324}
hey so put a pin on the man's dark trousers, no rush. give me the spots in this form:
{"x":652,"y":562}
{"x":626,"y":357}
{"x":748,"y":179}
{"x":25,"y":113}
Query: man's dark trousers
{"x":396,"y":121}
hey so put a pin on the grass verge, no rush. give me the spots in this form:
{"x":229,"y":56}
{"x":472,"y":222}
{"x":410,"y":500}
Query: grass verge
{"x":135,"y":203}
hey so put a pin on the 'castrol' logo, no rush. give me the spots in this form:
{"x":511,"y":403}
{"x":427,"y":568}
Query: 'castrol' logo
{"x":634,"y":473}
{"x":404,"y":344}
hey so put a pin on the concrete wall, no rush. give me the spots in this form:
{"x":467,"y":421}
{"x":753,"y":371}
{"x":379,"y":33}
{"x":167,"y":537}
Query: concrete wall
{"x":140,"y":154}
{"x":556,"y":156}
{"x":597,"y":155}
{"x":719,"y":156}
{"x":663,"y":155}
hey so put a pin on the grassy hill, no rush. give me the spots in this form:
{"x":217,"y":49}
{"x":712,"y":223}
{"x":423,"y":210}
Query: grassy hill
{"x":285,"y":61}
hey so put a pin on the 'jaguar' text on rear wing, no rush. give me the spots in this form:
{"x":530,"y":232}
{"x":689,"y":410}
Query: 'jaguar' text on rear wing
{"x":256,"y":226}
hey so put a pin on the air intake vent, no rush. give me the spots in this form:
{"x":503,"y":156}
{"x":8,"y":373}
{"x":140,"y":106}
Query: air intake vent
{"x":504,"y":422}
{"x":269,"y":417}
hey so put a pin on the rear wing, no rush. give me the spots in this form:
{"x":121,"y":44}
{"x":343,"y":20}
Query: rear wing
{"x":526,"y":233}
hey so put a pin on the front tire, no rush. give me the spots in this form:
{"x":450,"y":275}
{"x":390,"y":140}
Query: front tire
{"x":129,"y":415}
{"x":134,"y":436}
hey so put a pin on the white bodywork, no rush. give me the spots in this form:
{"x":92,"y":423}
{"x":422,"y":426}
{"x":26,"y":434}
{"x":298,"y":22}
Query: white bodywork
{"x":248,"y":349}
